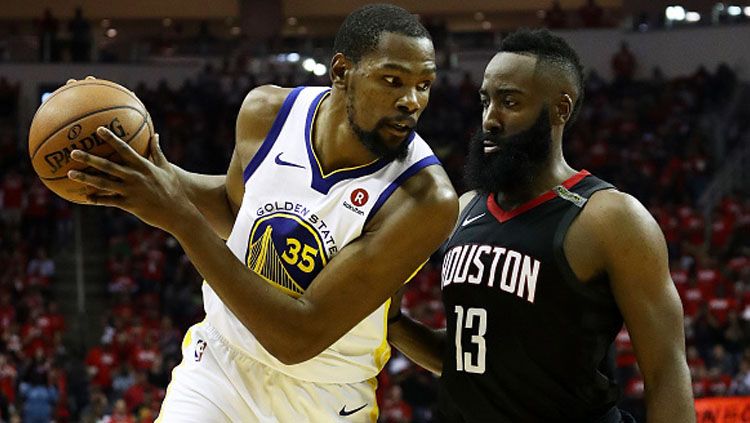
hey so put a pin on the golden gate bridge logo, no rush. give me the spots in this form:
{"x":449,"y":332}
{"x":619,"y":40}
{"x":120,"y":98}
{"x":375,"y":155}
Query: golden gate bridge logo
{"x":286,"y":251}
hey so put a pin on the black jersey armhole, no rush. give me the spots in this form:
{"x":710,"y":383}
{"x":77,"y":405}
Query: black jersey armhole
{"x":558,"y":241}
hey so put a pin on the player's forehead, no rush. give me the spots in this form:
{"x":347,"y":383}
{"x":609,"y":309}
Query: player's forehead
{"x":510,"y":71}
{"x":402,"y":53}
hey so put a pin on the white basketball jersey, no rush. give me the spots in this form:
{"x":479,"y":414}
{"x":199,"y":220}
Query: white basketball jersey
{"x":294,"y":219}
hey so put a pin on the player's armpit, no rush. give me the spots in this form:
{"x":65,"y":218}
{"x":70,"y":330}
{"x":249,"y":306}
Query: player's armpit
{"x":635,"y":258}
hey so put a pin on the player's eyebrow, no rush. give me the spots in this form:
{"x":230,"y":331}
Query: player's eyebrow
{"x":502,"y":91}
{"x":427,"y":70}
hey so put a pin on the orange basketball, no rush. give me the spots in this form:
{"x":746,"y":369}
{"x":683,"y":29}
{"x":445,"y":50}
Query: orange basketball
{"x":67,"y":121}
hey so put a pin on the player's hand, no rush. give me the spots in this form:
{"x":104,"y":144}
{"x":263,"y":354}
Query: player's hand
{"x":149,"y":189}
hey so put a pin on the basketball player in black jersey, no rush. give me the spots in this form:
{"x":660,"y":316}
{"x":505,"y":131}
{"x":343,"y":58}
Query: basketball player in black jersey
{"x":544,"y":265}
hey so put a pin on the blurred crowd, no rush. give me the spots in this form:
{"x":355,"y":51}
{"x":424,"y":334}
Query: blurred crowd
{"x":73,"y":36}
{"x":652,"y":138}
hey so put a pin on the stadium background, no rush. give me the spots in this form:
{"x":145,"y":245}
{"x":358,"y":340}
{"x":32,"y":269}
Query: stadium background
{"x":93,"y":303}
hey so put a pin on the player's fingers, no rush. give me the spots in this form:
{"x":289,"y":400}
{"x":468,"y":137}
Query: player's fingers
{"x":90,"y":77}
{"x":95,"y":181}
{"x":99,"y":163}
{"x":121,"y":147}
{"x":156,"y":152}
{"x":70,"y":81}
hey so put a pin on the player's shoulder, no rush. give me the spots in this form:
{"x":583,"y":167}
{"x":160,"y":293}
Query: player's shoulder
{"x":610,"y":204}
{"x":614,"y":216}
{"x":432,"y":186}
{"x":257,"y":114}
{"x":428,"y":195}
{"x":264,"y":102}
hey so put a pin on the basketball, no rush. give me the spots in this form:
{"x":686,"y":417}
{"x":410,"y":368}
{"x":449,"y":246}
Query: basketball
{"x":67,"y":120}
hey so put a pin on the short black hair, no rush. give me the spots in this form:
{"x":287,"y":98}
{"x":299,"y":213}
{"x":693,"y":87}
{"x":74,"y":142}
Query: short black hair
{"x":361,"y":30}
{"x":550,"y":50}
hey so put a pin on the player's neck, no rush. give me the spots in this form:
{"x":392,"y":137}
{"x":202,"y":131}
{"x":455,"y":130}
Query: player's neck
{"x":549,"y":176}
{"x":335,"y":143}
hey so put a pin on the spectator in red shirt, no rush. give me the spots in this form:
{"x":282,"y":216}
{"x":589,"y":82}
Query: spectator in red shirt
{"x":101,"y":360}
{"x":12,"y":197}
{"x":692,"y":297}
{"x":136,"y":394}
{"x":7,"y":311}
{"x":721,"y":305}
{"x":144,"y":354}
{"x":721,"y":230}
{"x":56,"y":319}
{"x":120,"y":414}
{"x":8,"y":375}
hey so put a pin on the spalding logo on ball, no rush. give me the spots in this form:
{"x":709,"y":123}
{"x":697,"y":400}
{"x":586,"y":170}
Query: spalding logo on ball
{"x":57,"y":159}
{"x":67,"y":121}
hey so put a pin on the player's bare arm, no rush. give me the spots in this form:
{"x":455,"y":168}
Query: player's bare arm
{"x":411,"y":225}
{"x":422,"y":344}
{"x":218,"y":197}
{"x":616,"y":234}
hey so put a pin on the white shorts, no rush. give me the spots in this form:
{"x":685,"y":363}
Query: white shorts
{"x":215,"y":382}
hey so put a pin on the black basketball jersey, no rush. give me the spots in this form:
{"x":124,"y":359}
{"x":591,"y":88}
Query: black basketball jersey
{"x":526,"y":340}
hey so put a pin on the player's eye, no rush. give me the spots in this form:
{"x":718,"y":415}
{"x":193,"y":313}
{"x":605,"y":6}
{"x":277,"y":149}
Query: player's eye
{"x":392,"y":80}
{"x":509,"y":102}
{"x":424,"y":86}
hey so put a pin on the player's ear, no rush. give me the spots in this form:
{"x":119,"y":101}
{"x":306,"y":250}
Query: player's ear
{"x":339,"y":67}
{"x":563,"y":109}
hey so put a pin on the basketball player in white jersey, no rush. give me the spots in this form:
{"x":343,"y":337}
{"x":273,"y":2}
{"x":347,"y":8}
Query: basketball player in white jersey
{"x":330,"y":203}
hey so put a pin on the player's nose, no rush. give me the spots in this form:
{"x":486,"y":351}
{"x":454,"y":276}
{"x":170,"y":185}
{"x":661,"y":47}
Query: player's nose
{"x":492,"y":124}
{"x":409,"y":102}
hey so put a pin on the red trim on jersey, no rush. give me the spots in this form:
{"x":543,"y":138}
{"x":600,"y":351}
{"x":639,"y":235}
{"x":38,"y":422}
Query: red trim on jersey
{"x":503,"y":216}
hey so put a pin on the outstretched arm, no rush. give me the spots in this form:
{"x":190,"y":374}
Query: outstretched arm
{"x":634,"y":255}
{"x":360,"y":278}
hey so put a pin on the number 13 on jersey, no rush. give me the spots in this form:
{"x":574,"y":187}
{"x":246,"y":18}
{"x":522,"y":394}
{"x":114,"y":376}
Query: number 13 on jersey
{"x":475,"y":319}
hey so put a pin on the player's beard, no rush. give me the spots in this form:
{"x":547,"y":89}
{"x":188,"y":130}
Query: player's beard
{"x":515,"y":164}
{"x":372,"y":139}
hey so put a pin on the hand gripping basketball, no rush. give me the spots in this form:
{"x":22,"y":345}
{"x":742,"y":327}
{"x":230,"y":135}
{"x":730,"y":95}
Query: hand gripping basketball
{"x":67,"y":120}
{"x":148,"y":189}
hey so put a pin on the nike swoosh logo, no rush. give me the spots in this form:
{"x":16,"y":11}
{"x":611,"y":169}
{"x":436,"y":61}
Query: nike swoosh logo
{"x":281,"y":162}
{"x":345,"y":412}
{"x":469,"y":220}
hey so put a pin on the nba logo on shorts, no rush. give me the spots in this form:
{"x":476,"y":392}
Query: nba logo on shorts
{"x":359,"y":197}
{"x":200,"y":346}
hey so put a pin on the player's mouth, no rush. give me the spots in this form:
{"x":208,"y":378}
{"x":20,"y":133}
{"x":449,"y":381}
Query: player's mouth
{"x":490,"y":147}
{"x":399,"y":129}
